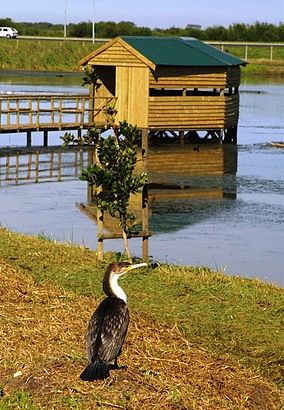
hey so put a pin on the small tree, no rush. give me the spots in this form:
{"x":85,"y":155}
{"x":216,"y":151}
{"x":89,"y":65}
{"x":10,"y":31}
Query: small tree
{"x":114,"y":172}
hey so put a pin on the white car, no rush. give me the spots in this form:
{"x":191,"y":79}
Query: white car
{"x":8,"y":32}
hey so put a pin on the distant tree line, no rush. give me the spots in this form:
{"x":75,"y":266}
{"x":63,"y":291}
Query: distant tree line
{"x":262,"y":32}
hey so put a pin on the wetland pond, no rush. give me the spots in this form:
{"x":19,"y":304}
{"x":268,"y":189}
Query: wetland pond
{"x":240,"y":235}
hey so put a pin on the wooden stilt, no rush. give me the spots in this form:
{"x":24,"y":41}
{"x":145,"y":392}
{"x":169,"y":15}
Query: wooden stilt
{"x":29,"y":139}
{"x":181,"y":137}
{"x":230,"y":135}
{"x":45,"y":138}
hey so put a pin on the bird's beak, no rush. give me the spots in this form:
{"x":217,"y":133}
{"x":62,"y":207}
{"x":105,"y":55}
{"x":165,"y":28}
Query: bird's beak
{"x":137,"y":265}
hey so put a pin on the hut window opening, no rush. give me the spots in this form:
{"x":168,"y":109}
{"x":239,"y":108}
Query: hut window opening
{"x":189,"y":92}
{"x":107,"y":75}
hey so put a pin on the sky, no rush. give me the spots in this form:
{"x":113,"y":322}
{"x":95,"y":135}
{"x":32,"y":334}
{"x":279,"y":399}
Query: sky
{"x":149,"y":13}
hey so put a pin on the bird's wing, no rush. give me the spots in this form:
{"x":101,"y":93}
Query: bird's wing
{"x":94,"y":331}
{"x":114,"y":328}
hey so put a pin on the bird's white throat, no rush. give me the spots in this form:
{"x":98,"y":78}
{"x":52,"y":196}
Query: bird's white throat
{"x":116,"y":289}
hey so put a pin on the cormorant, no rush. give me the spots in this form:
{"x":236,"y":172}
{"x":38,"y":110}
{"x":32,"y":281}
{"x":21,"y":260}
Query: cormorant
{"x":108,"y":324}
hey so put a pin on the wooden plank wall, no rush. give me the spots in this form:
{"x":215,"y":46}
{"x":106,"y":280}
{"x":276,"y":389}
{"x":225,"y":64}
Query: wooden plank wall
{"x":231,"y":111}
{"x":195,"y":77}
{"x":116,"y":55}
{"x":194,"y":112}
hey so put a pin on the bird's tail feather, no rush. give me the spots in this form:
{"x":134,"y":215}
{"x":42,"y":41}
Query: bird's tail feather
{"x":97,"y":370}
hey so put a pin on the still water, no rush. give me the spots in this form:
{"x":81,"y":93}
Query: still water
{"x":239,"y":236}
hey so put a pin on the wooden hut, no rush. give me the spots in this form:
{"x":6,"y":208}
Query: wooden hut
{"x":170,"y":86}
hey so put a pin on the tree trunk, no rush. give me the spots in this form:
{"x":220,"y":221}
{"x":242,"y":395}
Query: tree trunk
{"x":126,"y":247}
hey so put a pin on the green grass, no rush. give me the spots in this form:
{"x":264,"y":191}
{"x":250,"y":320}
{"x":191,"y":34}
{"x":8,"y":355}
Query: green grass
{"x":65,"y":55}
{"x":17,"y":400}
{"x":229,"y":316}
{"x":255,"y":52}
{"x":42,"y":55}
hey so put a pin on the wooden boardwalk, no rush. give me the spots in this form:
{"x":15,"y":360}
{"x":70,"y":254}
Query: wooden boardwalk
{"x":27,"y":113}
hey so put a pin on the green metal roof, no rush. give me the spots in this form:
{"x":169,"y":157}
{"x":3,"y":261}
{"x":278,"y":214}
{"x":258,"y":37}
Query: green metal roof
{"x":181,"y":51}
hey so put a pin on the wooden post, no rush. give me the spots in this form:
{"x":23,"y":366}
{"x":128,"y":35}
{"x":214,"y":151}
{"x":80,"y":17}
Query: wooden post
{"x":9,"y":113}
{"x":45,"y":138}
{"x":52,"y":110}
{"x":91,"y":104}
{"x":60,"y":113}
{"x":231,"y":135}
{"x":77,"y":112}
{"x":79,"y":134}
{"x":37,"y":112}
{"x":181,"y":137}
{"x":145,"y":205}
{"x":30,"y":111}
{"x":29,"y":139}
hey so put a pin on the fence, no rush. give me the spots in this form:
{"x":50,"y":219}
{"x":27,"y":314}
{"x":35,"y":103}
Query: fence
{"x":247,"y":46}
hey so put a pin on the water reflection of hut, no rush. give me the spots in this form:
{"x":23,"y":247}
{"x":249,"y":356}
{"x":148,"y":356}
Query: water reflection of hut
{"x":179,"y":175}
{"x":173,"y":87}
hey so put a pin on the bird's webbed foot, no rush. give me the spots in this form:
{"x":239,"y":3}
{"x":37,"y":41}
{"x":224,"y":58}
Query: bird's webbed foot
{"x":115,"y":366}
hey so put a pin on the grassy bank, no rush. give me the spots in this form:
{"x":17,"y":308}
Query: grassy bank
{"x":64,"y":56}
{"x":198,"y":339}
{"x":42,"y":55}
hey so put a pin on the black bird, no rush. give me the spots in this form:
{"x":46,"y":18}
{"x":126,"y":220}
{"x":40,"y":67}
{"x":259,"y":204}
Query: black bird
{"x":108,"y":325}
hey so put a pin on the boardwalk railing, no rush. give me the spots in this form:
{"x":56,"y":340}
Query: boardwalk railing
{"x":48,"y":112}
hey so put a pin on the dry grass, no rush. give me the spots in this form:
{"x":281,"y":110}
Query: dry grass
{"x":42,"y":338}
